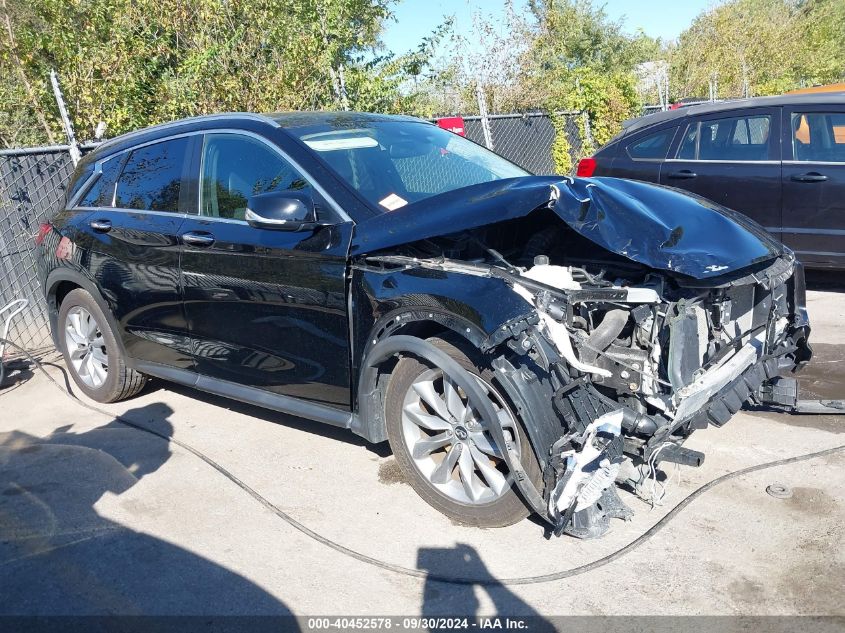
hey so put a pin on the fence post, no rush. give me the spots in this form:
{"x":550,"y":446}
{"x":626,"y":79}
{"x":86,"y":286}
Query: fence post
{"x":485,"y":122}
{"x":588,"y":133}
{"x":60,"y":100}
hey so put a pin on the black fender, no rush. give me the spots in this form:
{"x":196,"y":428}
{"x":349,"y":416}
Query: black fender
{"x":484,"y":303}
{"x":402,"y":344}
{"x":383,"y":302}
{"x":51,"y":283}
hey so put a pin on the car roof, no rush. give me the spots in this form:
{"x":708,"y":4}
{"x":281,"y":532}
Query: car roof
{"x":286,"y":120}
{"x":712,"y":107}
{"x":336,"y":120}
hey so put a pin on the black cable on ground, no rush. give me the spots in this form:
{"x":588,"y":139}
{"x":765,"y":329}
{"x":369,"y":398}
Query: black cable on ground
{"x":417,"y":573}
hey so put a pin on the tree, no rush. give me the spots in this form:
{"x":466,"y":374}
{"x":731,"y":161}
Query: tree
{"x":823,"y":42}
{"x":581,"y":60}
{"x":760,"y":47}
{"x":132,"y":63}
{"x":487,"y":59}
{"x":573,"y":34}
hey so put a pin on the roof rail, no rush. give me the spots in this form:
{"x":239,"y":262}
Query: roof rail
{"x":194,"y":119}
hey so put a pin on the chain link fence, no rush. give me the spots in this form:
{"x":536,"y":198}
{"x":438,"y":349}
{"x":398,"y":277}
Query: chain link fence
{"x":528,"y":139}
{"x":32,"y":185}
{"x":33,"y":182}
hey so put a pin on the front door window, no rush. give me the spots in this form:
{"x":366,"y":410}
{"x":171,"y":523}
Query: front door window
{"x":237,"y":167}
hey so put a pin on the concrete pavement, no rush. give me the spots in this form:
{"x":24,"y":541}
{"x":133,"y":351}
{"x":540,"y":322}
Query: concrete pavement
{"x":99,"y":518}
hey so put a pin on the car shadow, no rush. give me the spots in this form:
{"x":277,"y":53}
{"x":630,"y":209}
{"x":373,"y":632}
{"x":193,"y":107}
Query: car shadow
{"x":242,"y":408}
{"x":449,"y":600}
{"x":310,"y":426}
{"x":826,"y":280}
{"x":67,"y":559}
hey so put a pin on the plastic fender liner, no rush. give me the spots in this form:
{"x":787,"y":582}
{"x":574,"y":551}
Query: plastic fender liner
{"x":407,"y":315}
{"x":369,"y":422}
{"x":532,"y":397}
{"x":418,"y":347}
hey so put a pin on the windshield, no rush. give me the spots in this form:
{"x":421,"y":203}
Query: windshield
{"x":395,"y":163}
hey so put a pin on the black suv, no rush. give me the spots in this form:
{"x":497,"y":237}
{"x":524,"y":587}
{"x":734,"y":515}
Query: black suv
{"x":517,"y":339}
{"x":779,"y":160}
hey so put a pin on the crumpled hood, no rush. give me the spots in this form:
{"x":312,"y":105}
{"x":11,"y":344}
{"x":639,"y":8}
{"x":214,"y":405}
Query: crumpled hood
{"x":660,"y":227}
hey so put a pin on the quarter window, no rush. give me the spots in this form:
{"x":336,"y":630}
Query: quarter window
{"x":688,"y":146}
{"x":652,"y":146}
{"x":819,"y":137}
{"x":730,"y":139}
{"x":152,"y":178}
{"x":235,"y":168}
{"x":80,"y":177}
{"x":101,"y":193}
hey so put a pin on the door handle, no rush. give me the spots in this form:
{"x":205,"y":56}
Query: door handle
{"x":684,"y":174}
{"x":808,"y":177}
{"x":200,"y":240}
{"x":101,"y":226}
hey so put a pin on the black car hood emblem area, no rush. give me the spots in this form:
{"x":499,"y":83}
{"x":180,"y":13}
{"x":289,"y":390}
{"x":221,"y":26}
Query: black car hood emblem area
{"x":660,"y":227}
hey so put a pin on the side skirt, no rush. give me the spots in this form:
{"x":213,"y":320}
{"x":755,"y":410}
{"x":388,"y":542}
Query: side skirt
{"x":249,"y":395}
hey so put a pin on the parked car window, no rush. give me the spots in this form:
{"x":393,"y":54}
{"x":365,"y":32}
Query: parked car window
{"x":152,"y":178}
{"x":392,"y":164}
{"x":101,"y":193}
{"x":751,"y":131}
{"x":652,"y":146}
{"x":78,"y":179}
{"x":236,"y":167}
{"x":688,"y":145}
{"x":735,"y":139}
{"x":819,"y":136}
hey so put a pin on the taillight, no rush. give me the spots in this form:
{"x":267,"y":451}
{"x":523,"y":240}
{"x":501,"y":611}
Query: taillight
{"x":43,"y":230}
{"x":586,"y":167}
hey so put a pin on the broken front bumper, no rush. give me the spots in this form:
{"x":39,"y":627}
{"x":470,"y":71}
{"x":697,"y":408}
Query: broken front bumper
{"x":712,"y":399}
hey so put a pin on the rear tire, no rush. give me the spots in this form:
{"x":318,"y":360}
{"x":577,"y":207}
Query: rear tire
{"x":92,"y":355}
{"x":488,"y":496}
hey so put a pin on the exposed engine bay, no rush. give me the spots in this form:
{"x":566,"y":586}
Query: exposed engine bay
{"x":631,"y":358}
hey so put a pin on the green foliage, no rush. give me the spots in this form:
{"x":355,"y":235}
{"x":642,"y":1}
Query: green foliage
{"x":581,"y":60}
{"x":760,"y":47}
{"x":577,"y":34}
{"x":390,"y":84}
{"x":133,"y":63}
{"x":822,"y":33}
{"x":561,"y":149}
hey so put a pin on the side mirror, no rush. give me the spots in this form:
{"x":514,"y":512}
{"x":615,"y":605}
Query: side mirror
{"x":281,"y":211}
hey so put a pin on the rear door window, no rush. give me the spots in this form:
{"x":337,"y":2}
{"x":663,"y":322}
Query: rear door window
{"x":152,"y":178}
{"x":653,"y":146}
{"x":743,"y":138}
{"x":818,"y":137}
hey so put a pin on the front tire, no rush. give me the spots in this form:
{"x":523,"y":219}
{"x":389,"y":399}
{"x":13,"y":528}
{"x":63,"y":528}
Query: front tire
{"x":91,"y":352}
{"x":448,"y":456}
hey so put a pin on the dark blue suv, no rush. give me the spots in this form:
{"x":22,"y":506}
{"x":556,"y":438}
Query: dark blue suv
{"x":778,"y":160}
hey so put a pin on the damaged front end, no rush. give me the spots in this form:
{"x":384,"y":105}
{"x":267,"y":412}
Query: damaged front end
{"x":637,"y":327}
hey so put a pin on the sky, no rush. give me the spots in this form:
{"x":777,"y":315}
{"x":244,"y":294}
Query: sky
{"x":417,"y":18}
